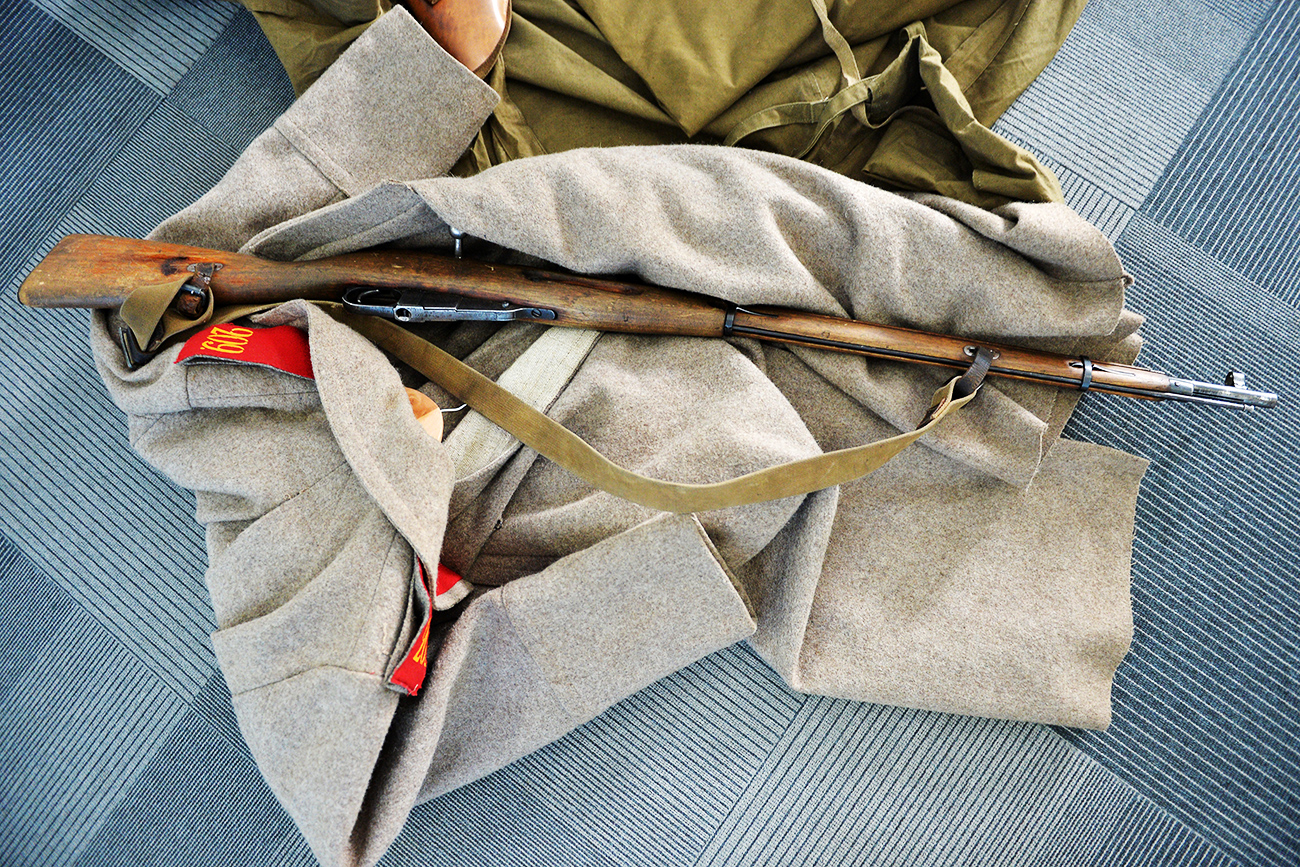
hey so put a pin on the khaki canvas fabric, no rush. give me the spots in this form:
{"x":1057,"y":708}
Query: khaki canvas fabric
{"x":984,"y":571}
{"x":899,"y":94}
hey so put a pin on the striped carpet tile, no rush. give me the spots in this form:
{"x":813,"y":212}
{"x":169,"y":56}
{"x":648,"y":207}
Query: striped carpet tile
{"x":646,"y":782}
{"x":1207,"y":713}
{"x":856,"y":784}
{"x":1109,"y":214}
{"x":837,"y":783}
{"x":497,"y":822}
{"x":199,"y":802}
{"x":1129,"y":83}
{"x":1241,"y":15}
{"x":1094,"y":204}
{"x":238,"y":88}
{"x":48,"y":157}
{"x":101,"y":763}
{"x":80,"y":724}
{"x":156,"y":41}
{"x":654,"y":774}
{"x":33,"y":612}
{"x":162,"y":169}
{"x":1234,"y":188}
{"x":110,"y":531}
{"x":213,"y":706}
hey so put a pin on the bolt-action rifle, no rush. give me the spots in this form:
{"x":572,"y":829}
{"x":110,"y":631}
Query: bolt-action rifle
{"x":101,"y":272}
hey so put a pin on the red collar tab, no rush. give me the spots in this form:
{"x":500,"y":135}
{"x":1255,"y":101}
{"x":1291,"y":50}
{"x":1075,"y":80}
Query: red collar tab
{"x":409,"y":675}
{"x":447,"y":579}
{"x":282,"y":347}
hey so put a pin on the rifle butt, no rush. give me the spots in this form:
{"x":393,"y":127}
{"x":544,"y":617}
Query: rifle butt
{"x":98,"y":271}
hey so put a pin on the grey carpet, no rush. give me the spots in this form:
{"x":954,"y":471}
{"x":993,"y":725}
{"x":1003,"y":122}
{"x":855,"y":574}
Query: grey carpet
{"x":1173,"y":126}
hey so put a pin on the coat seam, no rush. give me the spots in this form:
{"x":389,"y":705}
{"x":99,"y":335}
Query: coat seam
{"x":300,"y":672}
{"x":301,"y":142}
{"x":377,"y":581}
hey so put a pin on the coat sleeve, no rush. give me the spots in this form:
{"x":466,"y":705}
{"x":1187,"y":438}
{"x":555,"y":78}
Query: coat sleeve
{"x":327,"y":145}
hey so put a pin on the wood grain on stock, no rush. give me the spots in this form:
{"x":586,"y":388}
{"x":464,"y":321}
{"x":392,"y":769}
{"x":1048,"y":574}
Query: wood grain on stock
{"x":98,"y":271}
{"x":887,"y":341}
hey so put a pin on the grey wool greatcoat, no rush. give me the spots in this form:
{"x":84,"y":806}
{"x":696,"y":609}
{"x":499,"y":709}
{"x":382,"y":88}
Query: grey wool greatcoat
{"x":984,"y":571}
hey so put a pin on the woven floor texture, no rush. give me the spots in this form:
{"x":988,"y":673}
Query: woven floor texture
{"x":1174,"y":126}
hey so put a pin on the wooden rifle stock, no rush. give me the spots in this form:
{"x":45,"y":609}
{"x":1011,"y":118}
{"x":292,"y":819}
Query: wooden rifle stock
{"x":100,"y":272}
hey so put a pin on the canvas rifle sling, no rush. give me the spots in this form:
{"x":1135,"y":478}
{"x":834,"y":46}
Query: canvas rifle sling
{"x":555,"y":442}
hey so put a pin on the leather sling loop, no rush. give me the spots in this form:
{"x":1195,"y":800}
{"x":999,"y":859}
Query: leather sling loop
{"x":148,"y":315}
{"x":557,"y":443}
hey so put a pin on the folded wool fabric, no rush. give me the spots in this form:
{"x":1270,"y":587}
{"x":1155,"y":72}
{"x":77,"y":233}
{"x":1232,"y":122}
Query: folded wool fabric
{"x":928,"y":584}
{"x":318,"y":497}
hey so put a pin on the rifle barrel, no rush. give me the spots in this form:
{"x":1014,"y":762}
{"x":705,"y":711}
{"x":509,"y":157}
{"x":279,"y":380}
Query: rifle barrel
{"x":903,"y":344}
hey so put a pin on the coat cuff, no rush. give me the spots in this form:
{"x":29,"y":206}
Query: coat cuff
{"x":332,"y":144}
{"x":536,"y":658}
{"x":431,"y":107}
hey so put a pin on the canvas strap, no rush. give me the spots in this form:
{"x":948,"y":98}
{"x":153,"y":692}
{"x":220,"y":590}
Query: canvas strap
{"x":552,"y":440}
{"x":536,"y":377}
{"x":854,"y":95}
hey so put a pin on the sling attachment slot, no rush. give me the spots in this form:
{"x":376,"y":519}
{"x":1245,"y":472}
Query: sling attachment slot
{"x":968,"y":383}
{"x":973,"y":378}
{"x":729,"y":320}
